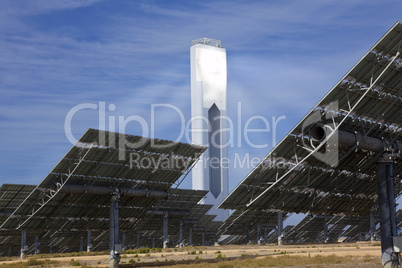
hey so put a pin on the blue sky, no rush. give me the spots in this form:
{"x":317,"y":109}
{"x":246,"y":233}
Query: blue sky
{"x":283,"y":56}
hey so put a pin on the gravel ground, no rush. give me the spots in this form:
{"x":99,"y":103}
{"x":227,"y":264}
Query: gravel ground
{"x":344,"y":265}
{"x":356,"y":251}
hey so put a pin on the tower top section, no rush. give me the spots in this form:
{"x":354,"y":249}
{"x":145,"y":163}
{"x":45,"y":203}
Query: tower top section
{"x":207,"y":41}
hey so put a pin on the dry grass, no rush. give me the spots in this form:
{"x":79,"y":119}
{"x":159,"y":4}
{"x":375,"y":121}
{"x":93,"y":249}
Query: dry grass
{"x":325,"y":255}
{"x":33,"y":262}
{"x":30,"y":263}
{"x":286,"y":260}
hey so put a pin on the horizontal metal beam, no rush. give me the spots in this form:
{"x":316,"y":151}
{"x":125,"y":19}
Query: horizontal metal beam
{"x":268,"y":226}
{"x":190,"y":221}
{"x":5,"y":214}
{"x":154,"y":237}
{"x":104,"y":190}
{"x":143,"y":193}
{"x":199,"y":228}
{"x":84,"y":189}
{"x":207,"y":232}
{"x":351,"y":139}
{"x":169,"y":212}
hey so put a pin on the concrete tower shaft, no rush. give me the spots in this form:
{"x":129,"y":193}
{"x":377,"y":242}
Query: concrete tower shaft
{"x":208,"y":111}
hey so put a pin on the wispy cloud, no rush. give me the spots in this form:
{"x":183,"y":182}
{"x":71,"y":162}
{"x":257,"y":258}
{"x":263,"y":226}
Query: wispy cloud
{"x":282,"y":58}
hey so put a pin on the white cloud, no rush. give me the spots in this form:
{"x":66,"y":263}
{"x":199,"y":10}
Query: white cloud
{"x":282,"y":58}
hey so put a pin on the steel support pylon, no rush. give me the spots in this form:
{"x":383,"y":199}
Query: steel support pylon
{"x":181,"y":235}
{"x":386,"y":202}
{"x":138,"y":245}
{"x":36,"y":244}
{"x":81,"y":244}
{"x":259,"y":239}
{"x":325,"y":230}
{"x":190,"y":237}
{"x":372,"y":226}
{"x":89,"y":241}
{"x":124,"y":241}
{"x":280,"y":228}
{"x":24,"y":246}
{"x":165,"y":231}
{"x":114,"y":246}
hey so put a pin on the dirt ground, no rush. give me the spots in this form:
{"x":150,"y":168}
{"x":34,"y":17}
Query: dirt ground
{"x":353,"y":251}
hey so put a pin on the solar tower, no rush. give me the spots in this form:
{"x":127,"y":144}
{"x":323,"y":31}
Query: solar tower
{"x":208,"y":111}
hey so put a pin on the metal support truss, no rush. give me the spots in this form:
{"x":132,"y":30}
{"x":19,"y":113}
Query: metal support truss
{"x":47,"y":197}
{"x":178,"y":182}
{"x":105,"y":190}
{"x":169,"y":212}
{"x":334,"y":128}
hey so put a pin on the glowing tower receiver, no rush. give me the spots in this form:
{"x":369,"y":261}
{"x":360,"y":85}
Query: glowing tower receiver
{"x":208,"y":111}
